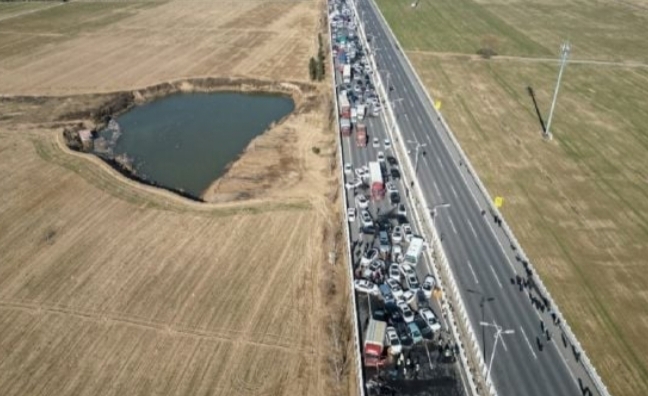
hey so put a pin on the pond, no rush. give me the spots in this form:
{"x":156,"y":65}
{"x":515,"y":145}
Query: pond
{"x":184,"y":142}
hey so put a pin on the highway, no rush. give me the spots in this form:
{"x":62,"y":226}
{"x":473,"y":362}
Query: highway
{"x":526,"y":363}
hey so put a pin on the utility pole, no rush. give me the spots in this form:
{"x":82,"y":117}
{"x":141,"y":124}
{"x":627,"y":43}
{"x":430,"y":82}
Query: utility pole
{"x":498,"y":335}
{"x":565,"y":48}
{"x":416,"y":156}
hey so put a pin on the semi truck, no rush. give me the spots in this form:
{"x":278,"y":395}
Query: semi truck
{"x":374,"y":343}
{"x":345,"y":107}
{"x":377,"y":184}
{"x":345,"y":127}
{"x":361,"y":135}
{"x":346,"y":74}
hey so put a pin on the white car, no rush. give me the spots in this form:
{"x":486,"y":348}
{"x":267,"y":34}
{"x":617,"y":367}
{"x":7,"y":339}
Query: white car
{"x":387,"y":143}
{"x":408,"y":296}
{"x":348,"y":168}
{"x":397,"y":235}
{"x":431,"y":319}
{"x":407,"y":270}
{"x":353,"y":183}
{"x":428,"y":285}
{"x":381,"y":156}
{"x":401,"y":210}
{"x":397,"y":253}
{"x":362,"y":201}
{"x":395,"y":287}
{"x":360,"y":172}
{"x":391,"y":188}
{"x":407,"y":232}
{"x":395,"y":345}
{"x":394,"y":272}
{"x":376,"y":142}
{"x":369,"y":257}
{"x":351,"y":215}
{"x":408,"y":315}
{"x":364,"y":286}
{"x":366,"y":219}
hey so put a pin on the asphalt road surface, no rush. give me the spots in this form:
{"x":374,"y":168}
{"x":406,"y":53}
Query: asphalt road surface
{"x":526,"y":362}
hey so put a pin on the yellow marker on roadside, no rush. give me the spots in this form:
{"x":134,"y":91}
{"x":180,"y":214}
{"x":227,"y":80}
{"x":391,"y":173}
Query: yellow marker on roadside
{"x":499,"y":201}
{"x":437,"y":104}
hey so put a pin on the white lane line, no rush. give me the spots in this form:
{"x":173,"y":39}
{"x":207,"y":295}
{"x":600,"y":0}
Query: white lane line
{"x":471,"y":228}
{"x":437,"y":189}
{"x":528,"y":343}
{"x":565,"y":362}
{"x":495,"y":275}
{"x":454,"y":192}
{"x":452,"y":225}
{"x":419,"y":119}
{"x":473,"y":272}
{"x":439,"y":161}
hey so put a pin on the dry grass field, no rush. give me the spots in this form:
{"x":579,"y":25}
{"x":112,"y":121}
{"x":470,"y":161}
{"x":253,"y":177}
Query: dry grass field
{"x":108,"y":287}
{"x":99,"y":46}
{"x":578,"y":204}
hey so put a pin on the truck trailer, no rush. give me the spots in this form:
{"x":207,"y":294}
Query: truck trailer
{"x":346,"y":74}
{"x":345,"y":106}
{"x":374,"y":343}
{"x":345,"y":127}
{"x":414,"y":250}
{"x":377,"y":184}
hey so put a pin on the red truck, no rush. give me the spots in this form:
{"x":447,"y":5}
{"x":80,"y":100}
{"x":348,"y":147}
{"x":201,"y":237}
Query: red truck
{"x":345,"y":107}
{"x":361,"y":135}
{"x":374,"y":343}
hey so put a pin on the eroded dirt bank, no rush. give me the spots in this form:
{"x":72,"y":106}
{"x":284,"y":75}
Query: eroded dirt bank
{"x":272,"y":162}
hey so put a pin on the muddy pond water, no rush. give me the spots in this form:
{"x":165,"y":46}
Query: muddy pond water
{"x":185,"y":141}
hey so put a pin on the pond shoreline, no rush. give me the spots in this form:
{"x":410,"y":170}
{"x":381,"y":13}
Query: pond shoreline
{"x":301,"y":95}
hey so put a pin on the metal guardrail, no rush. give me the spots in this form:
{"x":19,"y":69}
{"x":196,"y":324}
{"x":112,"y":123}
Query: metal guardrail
{"x":587,"y":365}
{"x":453,"y":293}
{"x":356,"y":333}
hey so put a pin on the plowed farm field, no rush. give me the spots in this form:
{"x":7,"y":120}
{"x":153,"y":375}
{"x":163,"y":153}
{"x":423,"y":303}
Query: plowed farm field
{"x":104,"y":291}
{"x":99,"y":46}
{"x":108,"y":287}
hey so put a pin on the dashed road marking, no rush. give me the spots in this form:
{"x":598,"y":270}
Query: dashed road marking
{"x":452,"y":225}
{"x":471,"y":228}
{"x":528,"y":343}
{"x":437,"y":189}
{"x":495,"y":275}
{"x":473,"y":272}
{"x":454,"y":192}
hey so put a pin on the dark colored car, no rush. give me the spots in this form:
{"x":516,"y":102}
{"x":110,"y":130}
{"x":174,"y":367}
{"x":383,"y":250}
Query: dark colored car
{"x":391,"y":160}
{"x":379,"y":314}
{"x":422,"y":300}
{"x":395,"y":173}
{"x":402,"y":219}
{"x":425,"y":330}
{"x":368,"y":230}
{"x":394,"y":314}
{"x":394,"y":198}
{"x":404,"y":334}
